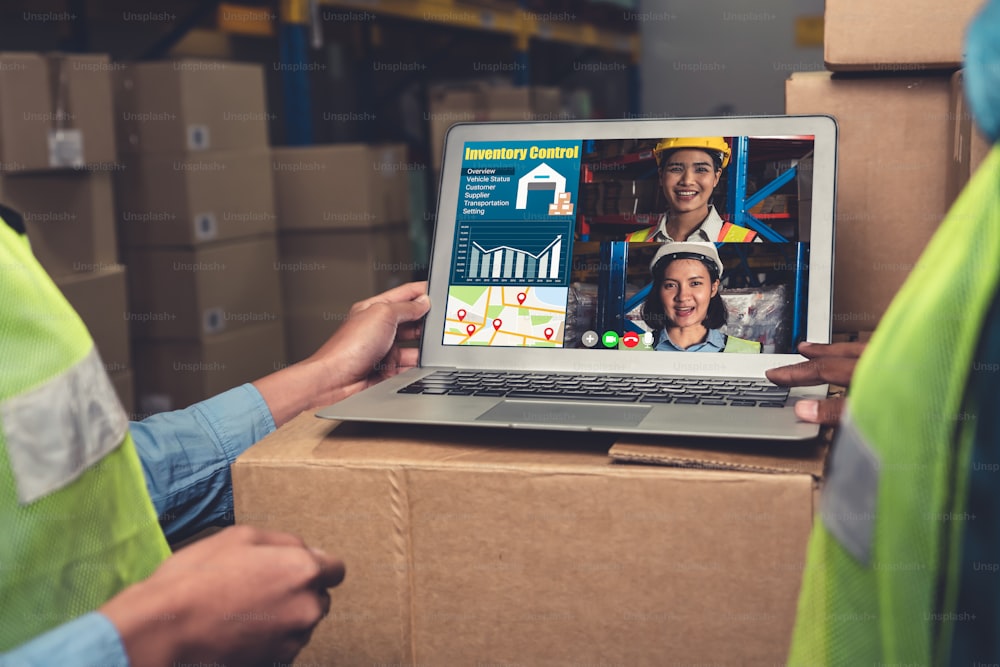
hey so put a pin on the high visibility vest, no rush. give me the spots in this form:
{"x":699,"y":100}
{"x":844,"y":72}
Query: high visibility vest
{"x":741,"y":345}
{"x":729,"y":233}
{"x":881,"y":574}
{"x":76,"y":520}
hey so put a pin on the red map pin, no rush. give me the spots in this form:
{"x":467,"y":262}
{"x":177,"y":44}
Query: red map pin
{"x":497,"y":323}
{"x":461,"y":314}
{"x":521,"y":296}
{"x":470,"y":329}
{"x":548,"y":333}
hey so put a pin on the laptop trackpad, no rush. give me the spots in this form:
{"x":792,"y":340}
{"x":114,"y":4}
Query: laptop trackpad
{"x":568,"y":414}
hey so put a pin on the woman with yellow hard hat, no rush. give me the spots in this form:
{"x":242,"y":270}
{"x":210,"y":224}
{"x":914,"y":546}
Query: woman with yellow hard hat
{"x":689,"y":170}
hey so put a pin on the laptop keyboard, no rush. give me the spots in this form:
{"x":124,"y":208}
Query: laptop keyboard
{"x":611,"y":388}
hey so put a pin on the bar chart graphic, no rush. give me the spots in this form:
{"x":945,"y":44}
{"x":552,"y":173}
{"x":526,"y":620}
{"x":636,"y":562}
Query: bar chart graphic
{"x":507,"y":262}
{"x":496,"y":254}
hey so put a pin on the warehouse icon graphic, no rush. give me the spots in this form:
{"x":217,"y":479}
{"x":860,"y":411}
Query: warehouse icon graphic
{"x":544,"y":177}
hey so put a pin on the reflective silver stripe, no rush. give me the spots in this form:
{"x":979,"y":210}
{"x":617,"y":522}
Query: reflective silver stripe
{"x":850,"y":496}
{"x":56,"y":431}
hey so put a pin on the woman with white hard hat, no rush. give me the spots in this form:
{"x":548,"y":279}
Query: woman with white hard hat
{"x":684,"y":306}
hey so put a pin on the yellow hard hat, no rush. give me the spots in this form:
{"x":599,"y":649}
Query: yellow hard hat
{"x":716,"y":144}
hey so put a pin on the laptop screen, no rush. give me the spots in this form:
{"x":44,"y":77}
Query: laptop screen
{"x":547,"y":232}
{"x":551,"y":241}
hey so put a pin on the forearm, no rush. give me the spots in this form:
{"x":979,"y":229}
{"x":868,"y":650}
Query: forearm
{"x":302,"y":386}
{"x":186,"y":456}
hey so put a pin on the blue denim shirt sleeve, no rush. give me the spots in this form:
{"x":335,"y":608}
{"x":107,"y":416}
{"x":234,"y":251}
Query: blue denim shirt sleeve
{"x":89,"y":640}
{"x":186,"y":456}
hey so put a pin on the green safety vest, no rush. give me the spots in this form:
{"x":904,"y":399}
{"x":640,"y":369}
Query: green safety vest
{"x":741,"y":345}
{"x":78,"y":524}
{"x":881,"y":575}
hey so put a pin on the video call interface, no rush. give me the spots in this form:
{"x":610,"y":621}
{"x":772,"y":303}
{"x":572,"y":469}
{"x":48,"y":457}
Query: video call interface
{"x":553,"y":243}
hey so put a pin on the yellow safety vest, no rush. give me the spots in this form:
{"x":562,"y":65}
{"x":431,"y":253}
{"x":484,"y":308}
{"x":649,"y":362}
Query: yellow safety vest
{"x":729,"y":233}
{"x":76,"y":520}
{"x":741,"y":345}
{"x":881,"y":575}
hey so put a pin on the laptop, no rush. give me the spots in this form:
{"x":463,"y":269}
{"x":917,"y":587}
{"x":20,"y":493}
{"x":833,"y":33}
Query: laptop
{"x":539,"y":289}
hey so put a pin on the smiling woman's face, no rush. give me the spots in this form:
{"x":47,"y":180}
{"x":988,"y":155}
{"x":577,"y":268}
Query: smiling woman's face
{"x":686,"y":292}
{"x":689,"y":177}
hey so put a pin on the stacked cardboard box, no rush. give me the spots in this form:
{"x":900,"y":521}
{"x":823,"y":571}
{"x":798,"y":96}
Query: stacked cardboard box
{"x":894,"y":35}
{"x":197,"y":224}
{"x":968,"y":147}
{"x":897,"y":122}
{"x":57,"y":156}
{"x":477,"y":101}
{"x":343,"y":216}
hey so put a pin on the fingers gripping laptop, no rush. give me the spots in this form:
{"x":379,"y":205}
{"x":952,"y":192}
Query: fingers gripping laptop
{"x":626,"y":276}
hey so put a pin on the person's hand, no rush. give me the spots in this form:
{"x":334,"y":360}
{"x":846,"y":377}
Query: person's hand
{"x":363,"y":351}
{"x":244,"y":596}
{"x":833,"y":364}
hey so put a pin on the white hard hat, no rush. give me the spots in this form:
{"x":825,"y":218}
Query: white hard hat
{"x":689,"y":250}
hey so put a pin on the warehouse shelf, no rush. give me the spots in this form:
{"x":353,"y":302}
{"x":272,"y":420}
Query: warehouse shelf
{"x":522,"y":24}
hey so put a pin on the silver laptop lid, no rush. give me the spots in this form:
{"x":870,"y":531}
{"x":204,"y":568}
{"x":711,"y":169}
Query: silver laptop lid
{"x":530,"y":257}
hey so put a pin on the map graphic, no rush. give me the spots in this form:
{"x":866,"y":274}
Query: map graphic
{"x":505,"y":316}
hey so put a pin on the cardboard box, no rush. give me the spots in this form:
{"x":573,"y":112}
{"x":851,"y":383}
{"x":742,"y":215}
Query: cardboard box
{"x":186,"y":200}
{"x":55,"y":112}
{"x":171,"y":375}
{"x":448,"y":106}
{"x":124,"y":384}
{"x":307,"y":330}
{"x":82,"y":91}
{"x":25,"y":112}
{"x":521,"y":102}
{"x":99,"y":297}
{"x":197,"y":293}
{"x":317,"y":267}
{"x":895,"y":35}
{"x":191,"y":105}
{"x":484,"y":546}
{"x":892,"y":166}
{"x":69,"y":217}
{"x":342,"y":186}
{"x":968,"y":146}
{"x":478,"y":101}
{"x":324,"y":273}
